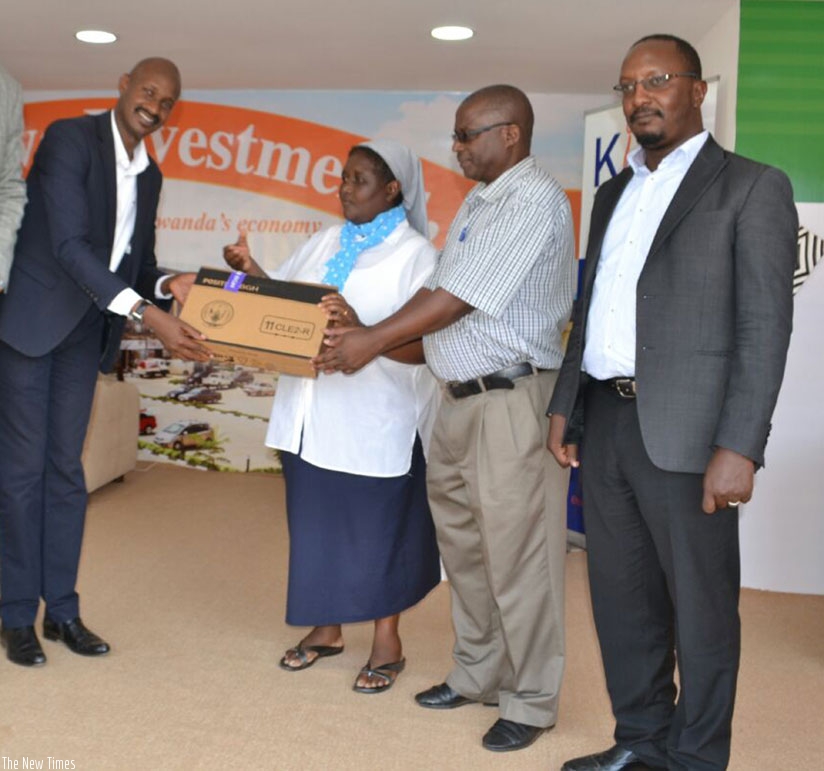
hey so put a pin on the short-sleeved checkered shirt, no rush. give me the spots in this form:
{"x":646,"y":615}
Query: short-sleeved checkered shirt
{"x":509,"y":254}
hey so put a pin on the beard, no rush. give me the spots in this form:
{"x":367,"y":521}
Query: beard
{"x":646,"y":136}
{"x":649,"y":140}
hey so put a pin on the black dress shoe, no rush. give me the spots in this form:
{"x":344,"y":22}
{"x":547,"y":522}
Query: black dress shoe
{"x":506,"y":735}
{"x":77,"y":638}
{"x":441,"y":697}
{"x":614,"y":759}
{"x":22,"y":646}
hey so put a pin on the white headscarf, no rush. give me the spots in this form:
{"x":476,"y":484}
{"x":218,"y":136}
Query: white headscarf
{"x":406,"y":167}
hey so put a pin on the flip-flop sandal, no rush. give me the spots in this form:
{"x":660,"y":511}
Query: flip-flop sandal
{"x":300,"y":650}
{"x":387,"y":672}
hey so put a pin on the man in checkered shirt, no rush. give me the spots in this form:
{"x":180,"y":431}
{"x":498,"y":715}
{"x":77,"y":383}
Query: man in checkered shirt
{"x":491,"y":318}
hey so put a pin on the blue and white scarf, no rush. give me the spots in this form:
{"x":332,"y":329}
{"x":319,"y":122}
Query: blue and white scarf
{"x":355,"y":239}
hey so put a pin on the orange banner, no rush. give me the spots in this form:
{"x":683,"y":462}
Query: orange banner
{"x":262,"y":152}
{"x":265,"y":153}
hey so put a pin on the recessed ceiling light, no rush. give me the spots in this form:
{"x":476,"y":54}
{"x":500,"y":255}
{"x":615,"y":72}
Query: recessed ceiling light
{"x":452,"y":33}
{"x":95,"y":36}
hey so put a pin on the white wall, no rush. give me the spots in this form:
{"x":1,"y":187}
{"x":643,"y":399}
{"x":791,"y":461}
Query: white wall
{"x":718,"y":50}
{"x":782,"y":528}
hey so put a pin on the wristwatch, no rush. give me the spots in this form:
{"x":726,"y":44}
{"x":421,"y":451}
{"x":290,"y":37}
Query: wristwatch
{"x":136,"y":313}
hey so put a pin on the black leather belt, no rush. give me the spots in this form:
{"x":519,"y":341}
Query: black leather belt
{"x":503,"y":378}
{"x":623,"y":386}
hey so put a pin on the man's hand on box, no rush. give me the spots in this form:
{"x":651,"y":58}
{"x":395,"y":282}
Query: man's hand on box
{"x":347,"y":349}
{"x":181,"y":339}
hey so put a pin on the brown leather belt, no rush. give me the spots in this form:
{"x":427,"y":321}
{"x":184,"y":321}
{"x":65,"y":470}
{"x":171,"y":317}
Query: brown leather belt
{"x":503,"y":378}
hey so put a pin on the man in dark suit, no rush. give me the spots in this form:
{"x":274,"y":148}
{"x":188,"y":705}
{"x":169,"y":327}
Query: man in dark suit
{"x":85,"y":244}
{"x":670,"y":379}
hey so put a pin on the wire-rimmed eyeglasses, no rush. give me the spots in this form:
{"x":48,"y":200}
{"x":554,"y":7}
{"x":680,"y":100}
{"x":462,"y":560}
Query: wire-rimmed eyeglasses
{"x":652,"y":83}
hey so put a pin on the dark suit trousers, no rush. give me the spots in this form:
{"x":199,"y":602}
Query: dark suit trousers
{"x":664,"y":578}
{"x":45,"y":404}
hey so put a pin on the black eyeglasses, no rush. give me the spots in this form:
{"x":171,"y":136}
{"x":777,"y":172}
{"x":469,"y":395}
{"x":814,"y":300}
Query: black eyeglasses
{"x":458,"y":135}
{"x":652,"y":83}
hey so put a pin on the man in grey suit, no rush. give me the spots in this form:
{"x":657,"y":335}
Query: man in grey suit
{"x":669,"y":383}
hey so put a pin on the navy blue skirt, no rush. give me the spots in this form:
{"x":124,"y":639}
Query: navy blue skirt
{"x":361,"y":548}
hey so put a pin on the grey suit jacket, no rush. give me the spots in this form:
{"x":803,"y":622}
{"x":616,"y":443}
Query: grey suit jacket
{"x":12,"y":186}
{"x":713,"y":312}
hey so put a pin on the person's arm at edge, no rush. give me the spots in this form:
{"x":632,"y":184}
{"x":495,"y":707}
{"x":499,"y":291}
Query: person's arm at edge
{"x":12,"y":185}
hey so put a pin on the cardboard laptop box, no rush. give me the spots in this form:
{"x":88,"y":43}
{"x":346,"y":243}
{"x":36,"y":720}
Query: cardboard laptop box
{"x":258,"y":322}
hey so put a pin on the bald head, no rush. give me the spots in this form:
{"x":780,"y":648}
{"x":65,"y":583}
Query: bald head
{"x":147,"y":95}
{"x":506,"y":103}
{"x":157,"y":66}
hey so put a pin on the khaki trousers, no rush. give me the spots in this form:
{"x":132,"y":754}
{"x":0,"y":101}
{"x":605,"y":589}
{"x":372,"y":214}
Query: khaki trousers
{"x":499,"y":505}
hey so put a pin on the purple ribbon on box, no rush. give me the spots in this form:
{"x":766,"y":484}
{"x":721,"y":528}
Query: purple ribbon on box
{"x":235,"y":281}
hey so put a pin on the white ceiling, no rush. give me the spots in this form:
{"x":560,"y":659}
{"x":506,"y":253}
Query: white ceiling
{"x":549,"y":46}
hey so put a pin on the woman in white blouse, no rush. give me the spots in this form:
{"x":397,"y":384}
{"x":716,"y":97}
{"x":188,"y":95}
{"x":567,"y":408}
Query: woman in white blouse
{"x":362,"y":543}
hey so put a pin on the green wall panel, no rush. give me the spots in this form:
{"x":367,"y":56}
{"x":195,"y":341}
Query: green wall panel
{"x":780,"y":111}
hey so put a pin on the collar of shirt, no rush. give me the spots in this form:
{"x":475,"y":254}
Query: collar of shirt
{"x":680,"y":158}
{"x":128,"y":167}
{"x":502,"y":184}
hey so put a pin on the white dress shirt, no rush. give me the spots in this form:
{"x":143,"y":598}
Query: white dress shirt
{"x":363,"y":423}
{"x":609,"y":348}
{"x":126,"y":171}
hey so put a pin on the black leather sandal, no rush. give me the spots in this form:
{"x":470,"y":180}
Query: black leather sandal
{"x":386,"y":672}
{"x":300,"y":650}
